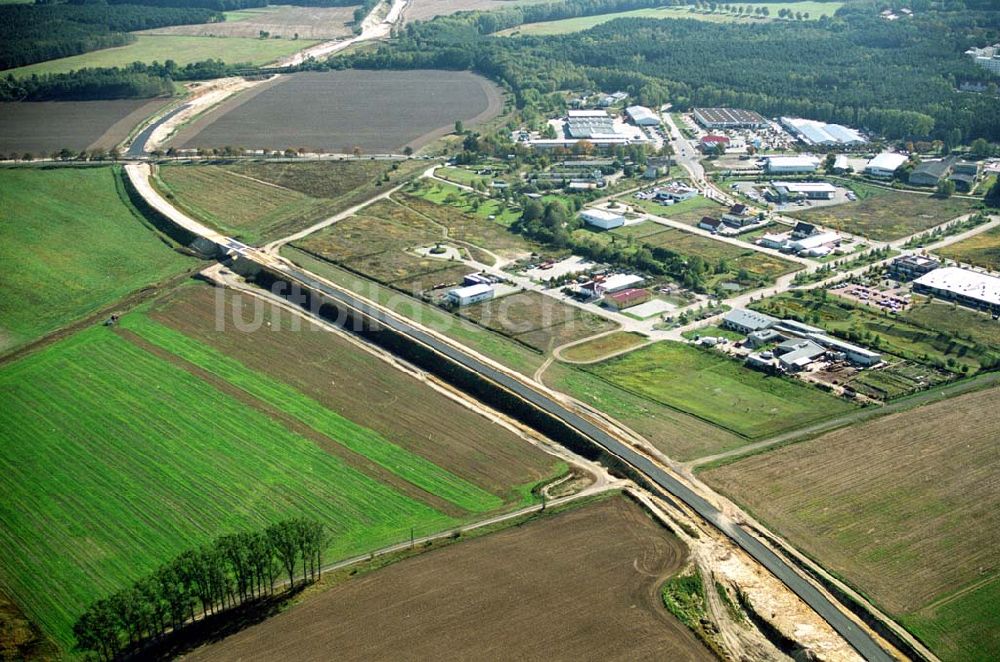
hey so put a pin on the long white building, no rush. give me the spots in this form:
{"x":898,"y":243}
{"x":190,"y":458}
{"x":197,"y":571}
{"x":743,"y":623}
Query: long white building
{"x":791,"y":164}
{"x":885,"y":164}
{"x":971,"y":288}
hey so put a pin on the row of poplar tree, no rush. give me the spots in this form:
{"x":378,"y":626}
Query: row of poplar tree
{"x":226,"y":573}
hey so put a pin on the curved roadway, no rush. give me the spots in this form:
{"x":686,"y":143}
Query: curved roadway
{"x":138,"y":146}
{"x":848,"y":629}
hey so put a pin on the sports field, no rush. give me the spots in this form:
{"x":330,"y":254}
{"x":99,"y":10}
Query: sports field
{"x":181,"y":49}
{"x":124,"y":473}
{"x":72,"y":245}
{"x":905,"y":508}
{"x":718,"y":389}
{"x":581,"y":584}
{"x":568,"y":25}
{"x":982,"y":250}
{"x":332,"y":111}
{"x":885,"y":215}
{"x":43,"y":127}
{"x":536,"y":320}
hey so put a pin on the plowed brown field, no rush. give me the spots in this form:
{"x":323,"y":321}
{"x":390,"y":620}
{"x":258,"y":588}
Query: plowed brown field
{"x":583,"y":584}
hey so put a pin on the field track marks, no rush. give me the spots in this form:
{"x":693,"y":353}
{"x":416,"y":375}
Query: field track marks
{"x":259,"y":181}
{"x":353,"y":459}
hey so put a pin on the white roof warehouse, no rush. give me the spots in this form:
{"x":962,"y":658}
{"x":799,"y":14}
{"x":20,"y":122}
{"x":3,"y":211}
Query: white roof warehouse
{"x":969,"y":287}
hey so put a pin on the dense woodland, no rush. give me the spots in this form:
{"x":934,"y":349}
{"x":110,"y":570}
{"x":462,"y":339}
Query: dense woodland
{"x":231,"y":571}
{"x":35,"y":33}
{"x":896,"y":78}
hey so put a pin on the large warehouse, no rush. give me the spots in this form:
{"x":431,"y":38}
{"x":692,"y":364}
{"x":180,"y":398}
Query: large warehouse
{"x":786,"y":191}
{"x":885,"y":164}
{"x":971,"y":288}
{"x":791,"y":164}
{"x":585,"y":124}
{"x":729,"y":118}
{"x":642,"y":116}
{"x":602,"y":219}
{"x":812,"y":132}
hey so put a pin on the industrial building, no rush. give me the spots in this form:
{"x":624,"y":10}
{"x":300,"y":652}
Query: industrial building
{"x":792,"y":191}
{"x":930,"y":173}
{"x":970,"y":288}
{"x":739,"y":216}
{"x":747,"y":321}
{"x":626,"y":298}
{"x":966,"y":175}
{"x":676,"y":192}
{"x":604,"y":220}
{"x":469,"y":294}
{"x":642,"y":116}
{"x":815,"y":245}
{"x":812,"y":132}
{"x":710,"y":142}
{"x":885,"y":164}
{"x":909,"y":267}
{"x":791,"y":164}
{"x":590,"y":124}
{"x":796,"y":354}
{"x":609,"y":285}
{"x":729,"y":118}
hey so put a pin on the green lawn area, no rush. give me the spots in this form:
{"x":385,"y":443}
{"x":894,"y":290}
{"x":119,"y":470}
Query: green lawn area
{"x":114,"y":460}
{"x":982,"y":250}
{"x":470,"y":203}
{"x":712,"y":331}
{"x":885,"y":214}
{"x":718,"y":389}
{"x":688,"y":211}
{"x":565,"y":26}
{"x":78,"y":246}
{"x":181,"y":49}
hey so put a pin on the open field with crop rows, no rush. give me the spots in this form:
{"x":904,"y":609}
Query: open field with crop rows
{"x":280,"y":21}
{"x":577,"y":24}
{"x":225,"y":430}
{"x":982,"y":250}
{"x":536,"y":320}
{"x":884,"y":215}
{"x":332,"y":111}
{"x":72,"y":246}
{"x":181,"y":49}
{"x":41,"y":128}
{"x":905,"y":508}
{"x":467,"y":601}
{"x":718,"y":389}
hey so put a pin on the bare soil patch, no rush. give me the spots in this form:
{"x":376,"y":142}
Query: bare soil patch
{"x":44,"y":127}
{"x":281,"y":21}
{"x":378,"y":111}
{"x":583,"y":584}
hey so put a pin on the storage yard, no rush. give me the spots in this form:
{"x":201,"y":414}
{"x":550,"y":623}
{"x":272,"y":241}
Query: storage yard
{"x":331,"y":111}
{"x":516,"y":593}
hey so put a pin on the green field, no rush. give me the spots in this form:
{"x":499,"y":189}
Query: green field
{"x":982,"y":250}
{"x":239,"y":206}
{"x":114,"y":460}
{"x":568,"y":25}
{"x":77,"y":246}
{"x":687,"y":211}
{"x":884,"y":214}
{"x":181,"y":49}
{"x":718,"y":389}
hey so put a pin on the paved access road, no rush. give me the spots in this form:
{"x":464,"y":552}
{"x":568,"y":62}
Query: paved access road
{"x":851,"y":632}
{"x":138,"y":147}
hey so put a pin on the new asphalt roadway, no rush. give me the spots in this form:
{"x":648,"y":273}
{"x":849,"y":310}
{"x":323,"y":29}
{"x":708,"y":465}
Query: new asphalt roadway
{"x":856,"y":636}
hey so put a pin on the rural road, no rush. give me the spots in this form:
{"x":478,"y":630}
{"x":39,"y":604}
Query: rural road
{"x":671,"y":487}
{"x":138,"y":147}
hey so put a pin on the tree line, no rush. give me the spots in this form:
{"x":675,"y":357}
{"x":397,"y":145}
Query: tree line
{"x":39,"y":32}
{"x":228,"y":572}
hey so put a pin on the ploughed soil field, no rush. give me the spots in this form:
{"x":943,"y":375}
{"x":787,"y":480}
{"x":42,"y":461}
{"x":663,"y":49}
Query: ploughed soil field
{"x":905,"y":508}
{"x":333,"y":111}
{"x":583,"y":584}
{"x":284,"y":21}
{"x":44,"y":127}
